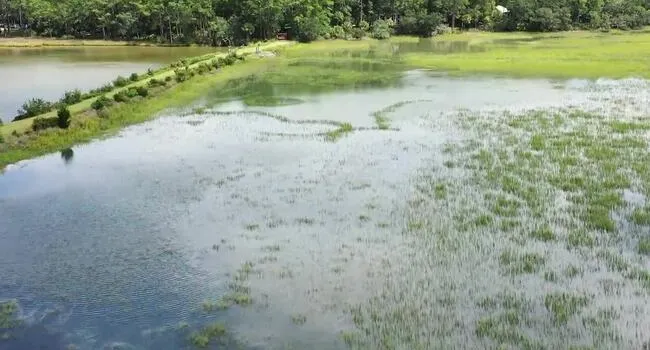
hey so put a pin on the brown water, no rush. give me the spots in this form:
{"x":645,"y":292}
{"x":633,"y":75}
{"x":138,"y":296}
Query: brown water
{"x":48,"y":72}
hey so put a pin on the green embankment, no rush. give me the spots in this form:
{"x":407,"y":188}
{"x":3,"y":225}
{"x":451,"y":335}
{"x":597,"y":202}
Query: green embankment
{"x":84,"y":128}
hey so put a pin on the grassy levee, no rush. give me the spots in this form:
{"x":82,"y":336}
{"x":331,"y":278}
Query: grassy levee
{"x":25,"y":124}
{"x":85,"y":129}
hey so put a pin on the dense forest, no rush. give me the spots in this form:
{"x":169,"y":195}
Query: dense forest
{"x":220,"y":22}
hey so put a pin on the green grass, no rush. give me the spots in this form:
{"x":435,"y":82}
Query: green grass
{"x":561,"y":55}
{"x":543,"y":233}
{"x":564,"y":306}
{"x":641,"y":216}
{"x":643,"y":247}
{"x":8,"y":314}
{"x":207,"y":335}
{"x":516,"y":263}
{"x":339,"y":132}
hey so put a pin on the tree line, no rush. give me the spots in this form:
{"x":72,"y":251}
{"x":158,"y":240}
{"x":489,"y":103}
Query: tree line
{"x":233,"y":22}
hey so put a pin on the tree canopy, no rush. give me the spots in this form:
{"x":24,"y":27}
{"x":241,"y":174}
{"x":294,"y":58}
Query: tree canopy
{"x":219,"y":22}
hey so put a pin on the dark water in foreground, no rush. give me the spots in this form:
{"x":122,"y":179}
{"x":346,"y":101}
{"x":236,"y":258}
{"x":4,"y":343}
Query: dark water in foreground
{"x":117,"y":245}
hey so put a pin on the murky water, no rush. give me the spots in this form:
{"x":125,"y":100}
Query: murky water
{"x":122,"y":240}
{"x":48,"y":72}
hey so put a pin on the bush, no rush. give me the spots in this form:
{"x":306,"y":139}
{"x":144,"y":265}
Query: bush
{"x":33,"y":107}
{"x":45,"y":123}
{"x":216,"y":64}
{"x":150,"y":71}
{"x":120,"y":97}
{"x":364,"y":25}
{"x":337,"y":32}
{"x":120,"y":81}
{"x":168,"y":78}
{"x":443,"y":29}
{"x":181,"y":75}
{"x":134,"y":77}
{"x":358,"y":33}
{"x":424,"y":25}
{"x":309,"y":28}
{"x":131,"y":92}
{"x":101,"y":102}
{"x":142,"y":91}
{"x":381,"y":29}
{"x":63,"y":117}
{"x":71,"y":97}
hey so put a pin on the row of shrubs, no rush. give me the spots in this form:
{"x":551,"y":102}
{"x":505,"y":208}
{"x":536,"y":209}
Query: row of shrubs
{"x":62,"y":120}
{"x":36,"y":106}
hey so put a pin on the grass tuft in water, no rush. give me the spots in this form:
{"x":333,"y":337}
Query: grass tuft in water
{"x":521,"y":263}
{"x":643,"y":247}
{"x":203,"y":337}
{"x":8,"y":314}
{"x":336,"y":134}
{"x":563,"y":305}
{"x":543,"y":233}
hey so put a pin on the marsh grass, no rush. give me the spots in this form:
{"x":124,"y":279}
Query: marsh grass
{"x":8,"y":315}
{"x":207,"y":335}
{"x":339,"y":132}
{"x":564,"y":306}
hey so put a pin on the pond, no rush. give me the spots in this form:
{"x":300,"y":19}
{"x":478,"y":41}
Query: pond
{"x":126,"y":242}
{"x":47,"y":72}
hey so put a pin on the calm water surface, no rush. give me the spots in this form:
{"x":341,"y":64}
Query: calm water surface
{"x":119,"y":243}
{"x":49,"y":72}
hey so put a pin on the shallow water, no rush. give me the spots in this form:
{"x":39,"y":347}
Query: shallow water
{"x":48,"y":72}
{"x":123,"y":240}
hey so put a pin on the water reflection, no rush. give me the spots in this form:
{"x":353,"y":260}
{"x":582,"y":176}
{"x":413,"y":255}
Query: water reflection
{"x":67,"y":155}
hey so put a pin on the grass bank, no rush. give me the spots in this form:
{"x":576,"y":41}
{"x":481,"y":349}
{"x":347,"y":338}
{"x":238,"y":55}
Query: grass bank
{"x":86,"y":126}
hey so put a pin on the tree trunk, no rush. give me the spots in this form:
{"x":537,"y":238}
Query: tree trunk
{"x":453,"y":21}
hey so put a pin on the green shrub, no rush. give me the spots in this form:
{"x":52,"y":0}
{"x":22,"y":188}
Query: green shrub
{"x":181,"y":75}
{"x":101,"y":102}
{"x":216,"y":64}
{"x":134,"y":77}
{"x":150,"y":71}
{"x":337,"y":32}
{"x":364,"y":25}
{"x":131,"y":92}
{"x":71,"y":97}
{"x":358,"y":33}
{"x":120,"y":81}
{"x":63,"y":117}
{"x":142,"y":91}
{"x":45,"y":123}
{"x":120,"y":97}
{"x":309,"y":28}
{"x":33,"y":107}
{"x":381,"y":29}
{"x":168,"y":78}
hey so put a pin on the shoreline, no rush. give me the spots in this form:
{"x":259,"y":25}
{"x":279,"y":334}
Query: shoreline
{"x":37,"y":42}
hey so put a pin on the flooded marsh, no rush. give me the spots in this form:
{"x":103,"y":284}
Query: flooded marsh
{"x":371,"y":207}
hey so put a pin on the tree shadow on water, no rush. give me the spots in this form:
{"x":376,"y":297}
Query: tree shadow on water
{"x":67,"y":155}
